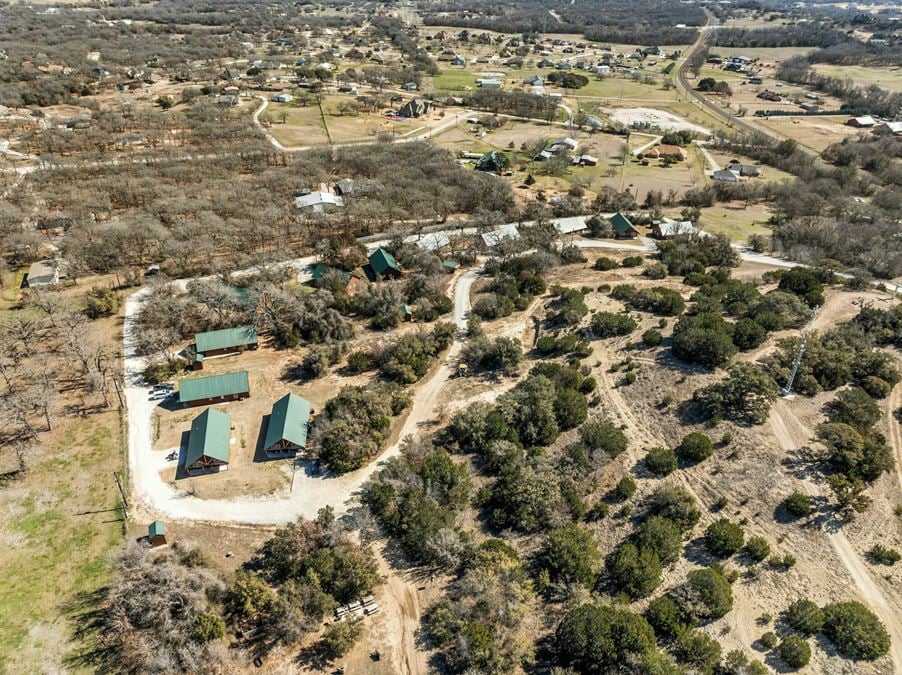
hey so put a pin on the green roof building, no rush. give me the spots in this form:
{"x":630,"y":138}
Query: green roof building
{"x":493,"y":161}
{"x":289,"y":422}
{"x":156,"y":533}
{"x":208,"y":442}
{"x":226,"y":341}
{"x":623,"y":228}
{"x":383,"y":265}
{"x":214,"y":388}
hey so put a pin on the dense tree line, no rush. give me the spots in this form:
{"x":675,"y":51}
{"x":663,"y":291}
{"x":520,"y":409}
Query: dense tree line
{"x":857,"y":100}
{"x":810,"y":34}
{"x":653,"y":22}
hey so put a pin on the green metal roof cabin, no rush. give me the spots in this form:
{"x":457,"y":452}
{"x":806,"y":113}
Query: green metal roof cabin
{"x":289,"y":422}
{"x":383,"y":264}
{"x":208,"y":442}
{"x":226,"y":341}
{"x":623,"y":228}
{"x":214,"y":388}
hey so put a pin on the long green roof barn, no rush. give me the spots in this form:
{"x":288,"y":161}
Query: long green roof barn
{"x":288,"y":425}
{"x":214,"y":388}
{"x":226,"y":341}
{"x":208,"y":441}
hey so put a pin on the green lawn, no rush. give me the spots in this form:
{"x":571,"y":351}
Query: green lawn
{"x":454,"y":80}
{"x":735,"y":220}
{"x":886,"y":78}
{"x":59,"y":526}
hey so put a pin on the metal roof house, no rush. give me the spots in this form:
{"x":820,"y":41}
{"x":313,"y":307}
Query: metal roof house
{"x":42,"y":273}
{"x":623,"y":228}
{"x":382,"y":265}
{"x":214,"y":388}
{"x":569,"y":225}
{"x":289,"y":422}
{"x":499,"y":234}
{"x":225,"y":341}
{"x":208,"y":442}
{"x":319,"y":202}
{"x":667,"y":228}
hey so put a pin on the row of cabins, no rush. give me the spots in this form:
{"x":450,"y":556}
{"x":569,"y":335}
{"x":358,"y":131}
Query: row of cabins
{"x":211,"y":432}
{"x":210,"y":435}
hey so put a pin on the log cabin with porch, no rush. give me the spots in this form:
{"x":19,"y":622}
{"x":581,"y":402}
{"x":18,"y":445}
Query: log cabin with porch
{"x":289,"y":422}
{"x":208,"y":443}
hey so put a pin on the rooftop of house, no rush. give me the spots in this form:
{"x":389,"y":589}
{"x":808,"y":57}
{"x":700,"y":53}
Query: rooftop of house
{"x":213,"y":386}
{"x":381,"y":261}
{"x":225,"y":338}
{"x":209,"y":437}
{"x":289,"y":421}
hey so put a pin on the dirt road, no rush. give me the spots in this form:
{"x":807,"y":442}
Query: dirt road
{"x":894,"y":403}
{"x":791,"y":434}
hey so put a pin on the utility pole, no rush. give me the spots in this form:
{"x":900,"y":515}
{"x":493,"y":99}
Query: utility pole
{"x":122,"y":494}
{"x":786,"y":391}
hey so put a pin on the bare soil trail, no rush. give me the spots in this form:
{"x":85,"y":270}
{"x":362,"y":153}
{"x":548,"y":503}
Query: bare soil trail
{"x":894,"y":403}
{"x":792,"y":434}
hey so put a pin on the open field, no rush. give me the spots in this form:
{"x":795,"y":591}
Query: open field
{"x":59,"y":525}
{"x":454,"y":79}
{"x":885,"y":77}
{"x":813,"y":132}
{"x":303,"y":126}
{"x":736,"y":220}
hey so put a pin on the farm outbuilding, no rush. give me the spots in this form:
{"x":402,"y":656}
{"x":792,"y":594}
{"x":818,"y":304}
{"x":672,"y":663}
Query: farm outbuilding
{"x":208,"y":442}
{"x":156,"y":533}
{"x":214,"y":388}
{"x":289,"y":422}
{"x":225,"y":341}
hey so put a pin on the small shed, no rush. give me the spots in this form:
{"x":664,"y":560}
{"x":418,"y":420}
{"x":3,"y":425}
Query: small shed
{"x":450,"y":266}
{"x":208,"y":443}
{"x":623,"y":228}
{"x":156,"y":533}
{"x":288,"y":425}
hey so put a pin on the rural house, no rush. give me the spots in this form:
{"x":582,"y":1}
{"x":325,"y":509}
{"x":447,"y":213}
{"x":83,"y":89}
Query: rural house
{"x":862,"y":122}
{"x":493,"y":161}
{"x":289,"y":421}
{"x":667,"y":228}
{"x":208,"y":443}
{"x":351,"y":283}
{"x":416,"y":107}
{"x":318,"y":202}
{"x":42,"y":273}
{"x":671,"y":151}
{"x":746,"y":170}
{"x":382,"y":265}
{"x":214,"y":388}
{"x":225,"y":341}
{"x":623,"y":228}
